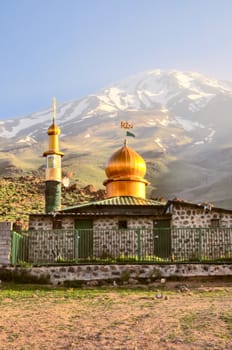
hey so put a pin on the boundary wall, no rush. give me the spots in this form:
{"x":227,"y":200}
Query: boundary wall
{"x":133,"y":274}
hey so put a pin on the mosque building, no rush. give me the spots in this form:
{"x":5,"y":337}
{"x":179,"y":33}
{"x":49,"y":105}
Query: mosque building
{"x":125,"y":209}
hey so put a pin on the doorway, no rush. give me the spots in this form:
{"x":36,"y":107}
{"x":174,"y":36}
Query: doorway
{"x":84,"y":238}
{"x":162,"y":238}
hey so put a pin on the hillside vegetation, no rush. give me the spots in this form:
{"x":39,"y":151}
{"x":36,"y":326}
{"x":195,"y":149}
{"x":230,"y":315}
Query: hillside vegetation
{"x":22,"y":195}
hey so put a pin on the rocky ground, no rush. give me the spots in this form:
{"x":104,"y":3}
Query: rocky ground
{"x":176,"y":316}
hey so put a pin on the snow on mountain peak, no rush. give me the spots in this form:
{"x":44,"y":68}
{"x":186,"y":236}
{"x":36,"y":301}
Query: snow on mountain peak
{"x":28,"y":140}
{"x":162,"y":91}
{"x":157,"y":87}
{"x":184,"y":80}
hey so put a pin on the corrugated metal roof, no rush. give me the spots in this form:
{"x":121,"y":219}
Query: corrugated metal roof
{"x":128,"y":201}
{"x":119,"y":201}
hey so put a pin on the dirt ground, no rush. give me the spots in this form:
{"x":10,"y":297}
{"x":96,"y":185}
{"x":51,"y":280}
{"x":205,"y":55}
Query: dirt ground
{"x":174,"y":316}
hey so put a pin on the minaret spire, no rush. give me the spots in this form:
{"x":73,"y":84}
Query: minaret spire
{"x":54,"y":110}
{"x":53,"y":167}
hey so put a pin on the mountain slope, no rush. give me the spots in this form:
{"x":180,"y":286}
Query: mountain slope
{"x":182,"y":125}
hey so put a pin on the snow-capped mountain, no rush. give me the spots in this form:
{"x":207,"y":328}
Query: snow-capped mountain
{"x":182,"y":121}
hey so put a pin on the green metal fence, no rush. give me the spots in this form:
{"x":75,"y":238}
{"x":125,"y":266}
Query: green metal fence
{"x":19,"y":248}
{"x":158,"y":245}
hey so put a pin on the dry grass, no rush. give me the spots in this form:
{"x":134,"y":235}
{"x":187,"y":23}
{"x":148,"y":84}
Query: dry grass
{"x":39,"y":318}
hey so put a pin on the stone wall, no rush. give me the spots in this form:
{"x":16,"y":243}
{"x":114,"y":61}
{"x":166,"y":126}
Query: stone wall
{"x":97,"y":274}
{"x":183,"y":215}
{"x":108,"y":241}
{"x":41,"y":222}
{"x":47,"y":246}
{"x":123,"y":243}
{"x":45,"y":222}
{"x":188,"y":215}
{"x":132,"y":222}
{"x":187,"y":241}
{"x":201,"y":243}
{"x":5,"y":242}
{"x":210,"y":241}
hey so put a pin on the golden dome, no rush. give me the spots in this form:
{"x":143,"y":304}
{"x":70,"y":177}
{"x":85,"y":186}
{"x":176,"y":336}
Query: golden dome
{"x":125,"y":162}
{"x":53,"y":129}
{"x":125,"y":171}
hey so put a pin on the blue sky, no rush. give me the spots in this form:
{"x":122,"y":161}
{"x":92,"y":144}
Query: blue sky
{"x":70,"y":48}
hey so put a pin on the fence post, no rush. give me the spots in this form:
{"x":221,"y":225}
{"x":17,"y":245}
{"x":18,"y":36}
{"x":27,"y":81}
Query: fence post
{"x":14,"y":248}
{"x":139,"y":243}
{"x":5,"y":243}
{"x":200,"y":244}
{"x":76,"y":239}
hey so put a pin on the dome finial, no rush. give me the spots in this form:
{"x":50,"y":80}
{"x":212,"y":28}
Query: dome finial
{"x":125,"y":172}
{"x":126,"y":126}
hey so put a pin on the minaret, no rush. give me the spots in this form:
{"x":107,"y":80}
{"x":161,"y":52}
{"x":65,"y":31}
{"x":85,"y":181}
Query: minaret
{"x":53,"y":167}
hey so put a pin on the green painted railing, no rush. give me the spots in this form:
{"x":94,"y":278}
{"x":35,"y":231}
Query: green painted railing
{"x":19,"y":248}
{"x":158,"y":245}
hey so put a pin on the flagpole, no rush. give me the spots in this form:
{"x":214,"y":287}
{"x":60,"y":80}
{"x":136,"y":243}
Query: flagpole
{"x":125,"y":141}
{"x":126,"y":125}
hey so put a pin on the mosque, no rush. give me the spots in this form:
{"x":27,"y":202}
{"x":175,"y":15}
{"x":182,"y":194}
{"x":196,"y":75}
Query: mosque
{"x":125,"y":209}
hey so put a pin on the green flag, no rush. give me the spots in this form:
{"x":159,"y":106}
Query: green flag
{"x":128,"y":133}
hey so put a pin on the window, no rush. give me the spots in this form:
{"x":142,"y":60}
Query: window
{"x":57,"y":224}
{"x":122,"y":224}
{"x":215,"y":223}
{"x":161,"y":223}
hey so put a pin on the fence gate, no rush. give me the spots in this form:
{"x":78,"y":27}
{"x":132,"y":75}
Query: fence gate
{"x":18,"y":248}
{"x":84,"y":238}
{"x":162,"y":238}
